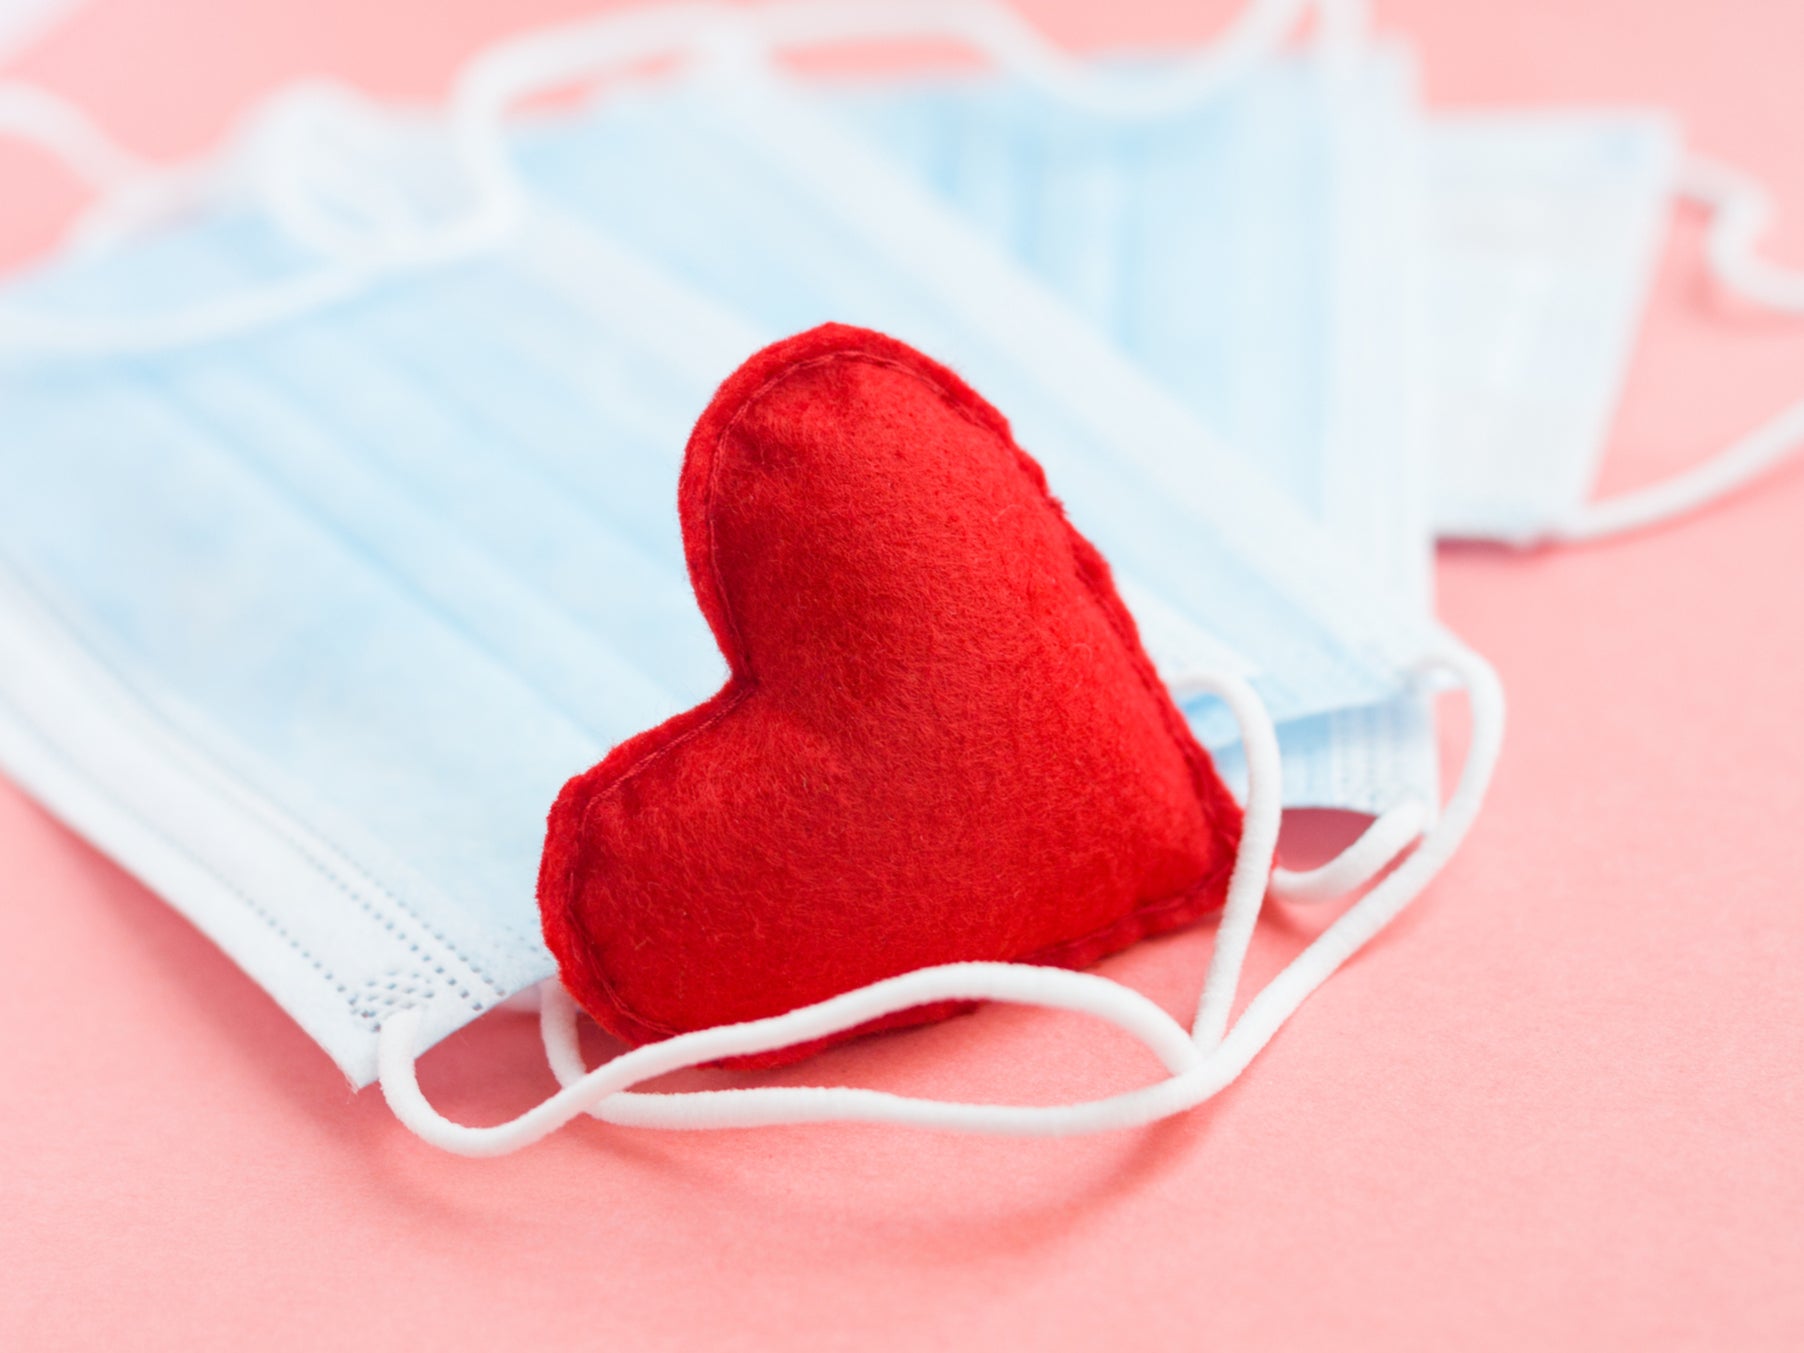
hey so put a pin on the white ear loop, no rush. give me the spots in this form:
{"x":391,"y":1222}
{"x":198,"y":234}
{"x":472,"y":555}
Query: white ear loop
{"x":1378,"y":846}
{"x":320,"y":171}
{"x":1740,"y":212}
{"x":496,"y":82}
{"x":604,"y":1092}
{"x":1200,"y":1064}
{"x":1015,"y":45}
{"x":1050,"y":987}
{"x":133,"y":194}
{"x":353,"y":263}
{"x":490,"y":87}
{"x":68,"y":135}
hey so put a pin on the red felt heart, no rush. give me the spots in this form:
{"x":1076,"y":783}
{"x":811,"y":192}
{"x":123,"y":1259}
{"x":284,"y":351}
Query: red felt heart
{"x":940,"y":741}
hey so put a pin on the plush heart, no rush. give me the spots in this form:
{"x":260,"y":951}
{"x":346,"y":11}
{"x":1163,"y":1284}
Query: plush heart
{"x":940,"y":740}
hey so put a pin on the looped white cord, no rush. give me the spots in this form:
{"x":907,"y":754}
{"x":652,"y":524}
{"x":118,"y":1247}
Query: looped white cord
{"x":603,"y":1092}
{"x":1002,"y":34}
{"x":281,"y":164}
{"x":490,"y":87}
{"x":1196,"y":1075}
{"x":493,"y":84}
{"x":1017,"y":983}
{"x":123,"y":183}
{"x":1377,"y":848}
{"x":68,"y":134}
{"x":329,"y":167}
{"x":1740,"y":211}
{"x":1252,"y":864}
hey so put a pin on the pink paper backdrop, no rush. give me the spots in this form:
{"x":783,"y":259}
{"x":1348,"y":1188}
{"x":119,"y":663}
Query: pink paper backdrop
{"x":1559,"y":1106}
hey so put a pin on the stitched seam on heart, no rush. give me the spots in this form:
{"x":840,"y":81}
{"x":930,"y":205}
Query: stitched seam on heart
{"x":1145,"y":917}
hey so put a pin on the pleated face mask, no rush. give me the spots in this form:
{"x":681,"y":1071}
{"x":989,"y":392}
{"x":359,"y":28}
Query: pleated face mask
{"x":333,"y":545}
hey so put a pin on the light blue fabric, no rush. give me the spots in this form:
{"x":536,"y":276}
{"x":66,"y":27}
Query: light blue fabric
{"x":1201,"y":242}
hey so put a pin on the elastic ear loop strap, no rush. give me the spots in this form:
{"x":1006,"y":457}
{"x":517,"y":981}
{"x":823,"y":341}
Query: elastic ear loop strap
{"x":1376,"y":849}
{"x":487,"y":90}
{"x":1200,"y":1064}
{"x":1740,"y":211}
{"x":600,"y":1092}
{"x":1002,"y":34}
{"x":68,"y":135}
{"x":128,"y":198}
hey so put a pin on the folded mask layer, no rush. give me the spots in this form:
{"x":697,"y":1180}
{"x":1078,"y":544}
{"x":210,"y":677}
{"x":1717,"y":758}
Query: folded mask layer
{"x":1544,"y":232}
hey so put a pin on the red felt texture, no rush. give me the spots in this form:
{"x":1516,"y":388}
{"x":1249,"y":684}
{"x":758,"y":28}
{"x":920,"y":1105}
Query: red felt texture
{"x":940,"y":740}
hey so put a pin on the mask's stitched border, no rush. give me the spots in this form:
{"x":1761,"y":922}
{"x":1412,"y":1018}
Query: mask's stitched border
{"x":119,"y":805}
{"x":276,"y":820}
{"x":280,"y":819}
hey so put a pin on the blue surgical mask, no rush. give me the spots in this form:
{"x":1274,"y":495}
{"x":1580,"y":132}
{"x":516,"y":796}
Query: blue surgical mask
{"x":307,"y":627}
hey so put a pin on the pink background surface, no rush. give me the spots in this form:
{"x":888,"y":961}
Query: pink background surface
{"x":1559,"y":1106}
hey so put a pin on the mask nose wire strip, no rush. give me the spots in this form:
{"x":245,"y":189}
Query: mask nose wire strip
{"x":1740,"y":211}
{"x":1053,"y":988}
